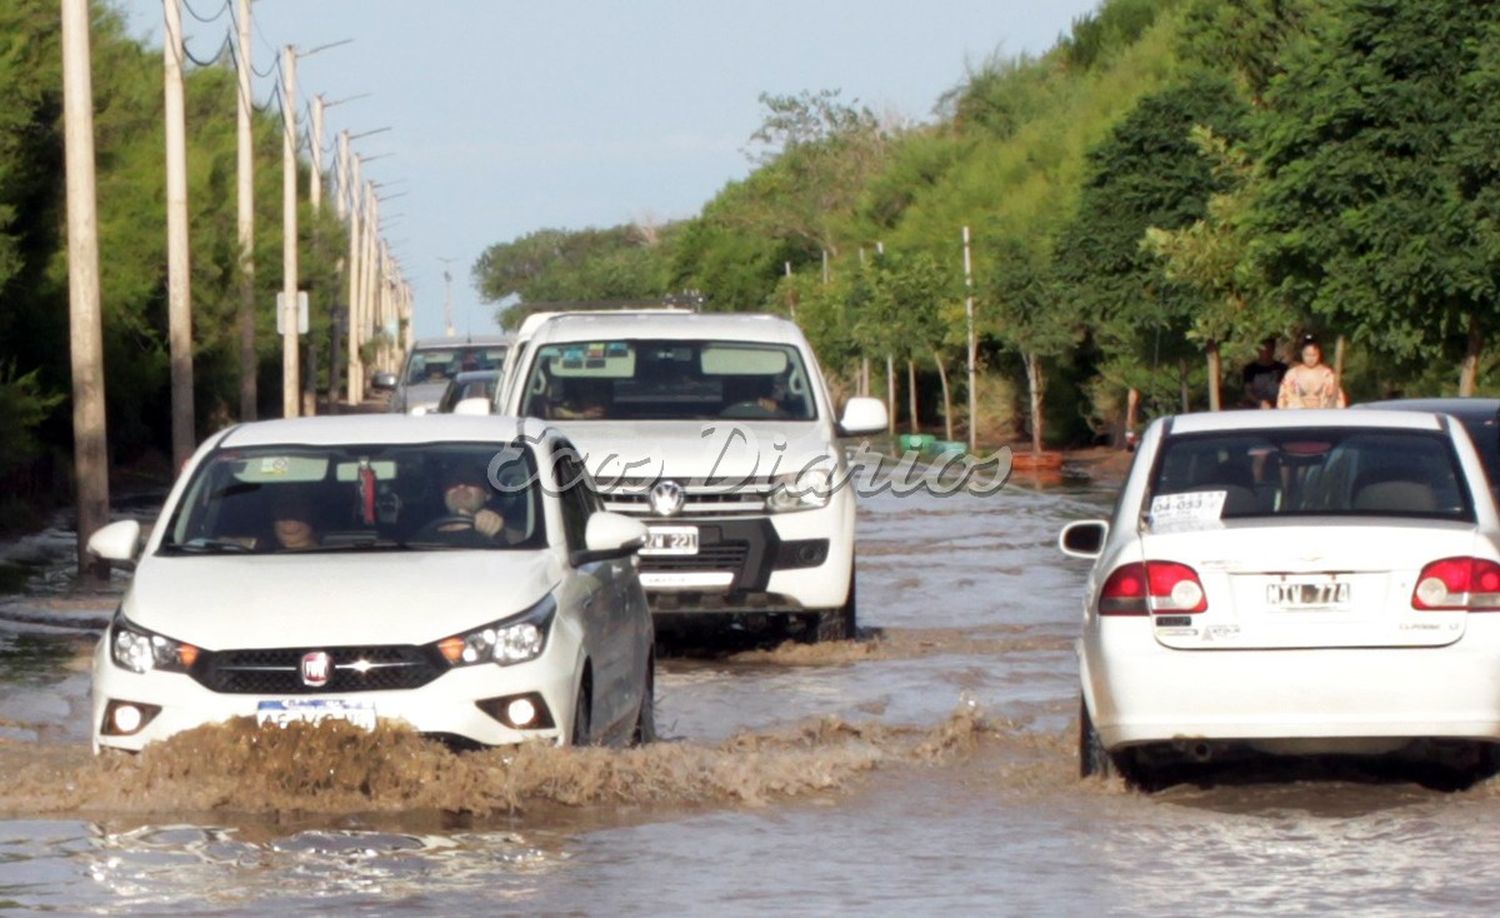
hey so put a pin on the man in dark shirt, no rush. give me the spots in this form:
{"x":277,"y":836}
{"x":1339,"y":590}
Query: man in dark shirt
{"x":1263,"y":377}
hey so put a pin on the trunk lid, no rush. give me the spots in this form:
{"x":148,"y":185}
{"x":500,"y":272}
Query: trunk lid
{"x":1324,"y":582}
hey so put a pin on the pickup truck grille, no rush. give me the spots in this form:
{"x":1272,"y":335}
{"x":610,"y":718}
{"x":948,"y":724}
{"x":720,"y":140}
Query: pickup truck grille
{"x":712,"y":497}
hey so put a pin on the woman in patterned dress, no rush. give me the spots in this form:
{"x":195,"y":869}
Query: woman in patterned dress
{"x":1311,"y":383}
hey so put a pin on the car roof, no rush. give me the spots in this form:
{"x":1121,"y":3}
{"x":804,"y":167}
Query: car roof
{"x":490,"y":340}
{"x":1218,"y":421}
{"x":668,"y":325}
{"x":382,"y":428}
{"x":1466,"y":409}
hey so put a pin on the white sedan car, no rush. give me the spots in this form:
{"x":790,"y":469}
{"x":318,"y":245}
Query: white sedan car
{"x":456,"y":574}
{"x":1292,"y":582}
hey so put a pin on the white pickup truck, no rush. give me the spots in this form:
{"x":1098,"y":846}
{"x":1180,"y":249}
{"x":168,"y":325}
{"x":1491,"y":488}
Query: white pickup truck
{"x":718,"y":431}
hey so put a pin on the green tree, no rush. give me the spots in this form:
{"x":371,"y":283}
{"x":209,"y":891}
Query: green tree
{"x":1376,"y":212}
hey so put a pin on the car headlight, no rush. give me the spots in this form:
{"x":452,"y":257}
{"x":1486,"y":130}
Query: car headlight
{"x":515,"y":639}
{"x":140,"y":651}
{"x":806,"y":490}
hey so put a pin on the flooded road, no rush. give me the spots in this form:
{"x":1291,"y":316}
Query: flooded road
{"x":930,"y":766}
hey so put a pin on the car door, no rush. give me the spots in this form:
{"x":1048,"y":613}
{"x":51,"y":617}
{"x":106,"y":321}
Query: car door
{"x":605,"y":608}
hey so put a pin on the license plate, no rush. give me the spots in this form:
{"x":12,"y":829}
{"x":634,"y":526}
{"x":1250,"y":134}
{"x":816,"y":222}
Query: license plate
{"x":671,"y":540}
{"x":1322,"y":594}
{"x":315,"y":711}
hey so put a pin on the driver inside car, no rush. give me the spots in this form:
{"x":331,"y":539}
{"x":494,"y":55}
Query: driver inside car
{"x":465,"y":495}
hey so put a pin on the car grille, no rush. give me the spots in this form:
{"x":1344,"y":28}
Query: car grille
{"x":705,"y":497}
{"x":278,"y":671}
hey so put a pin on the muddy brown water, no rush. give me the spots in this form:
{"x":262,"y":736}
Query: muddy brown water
{"x":930,"y":766}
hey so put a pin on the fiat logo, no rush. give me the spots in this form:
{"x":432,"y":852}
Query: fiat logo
{"x":317,"y":667}
{"x":667,"y":498}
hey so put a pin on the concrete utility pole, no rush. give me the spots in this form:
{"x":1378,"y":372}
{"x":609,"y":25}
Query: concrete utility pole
{"x":245,"y":182}
{"x":447,"y":296}
{"x":356,"y":276}
{"x":973,"y":347}
{"x":86,"y":338}
{"x":291,"y":387}
{"x":179,"y":293}
{"x":315,"y":192}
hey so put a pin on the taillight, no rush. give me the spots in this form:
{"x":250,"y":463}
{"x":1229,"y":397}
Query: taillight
{"x":1462,"y":584}
{"x":1153,"y":586}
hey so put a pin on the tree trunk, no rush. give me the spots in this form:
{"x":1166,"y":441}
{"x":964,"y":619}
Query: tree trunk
{"x":1213,"y":376}
{"x":911,"y":396}
{"x":947,"y":396}
{"x":1470,"y":374}
{"x":890,"y":392}
{"x":1182,"y":384}
{"x":1034,"y":384}
{"x":864,"y":376}
{"x":1338,"y":363}
{"x":1132,"y":406}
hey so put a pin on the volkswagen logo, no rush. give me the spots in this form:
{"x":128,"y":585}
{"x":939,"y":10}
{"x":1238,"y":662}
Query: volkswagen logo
{"x":667,"y":498}
{"x":317,"y":668}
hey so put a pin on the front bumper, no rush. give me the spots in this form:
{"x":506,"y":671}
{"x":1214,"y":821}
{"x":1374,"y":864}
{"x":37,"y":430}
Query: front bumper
{"x":779,"y":562}
{"x":1140,"y":692}
{"x":445,"y":706}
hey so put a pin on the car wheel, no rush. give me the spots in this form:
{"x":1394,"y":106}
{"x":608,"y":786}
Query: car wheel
{"x":841,"y":624}
{"x":582,"y":715}
{"x":1093,"y":759}
{"x":645,"y":720}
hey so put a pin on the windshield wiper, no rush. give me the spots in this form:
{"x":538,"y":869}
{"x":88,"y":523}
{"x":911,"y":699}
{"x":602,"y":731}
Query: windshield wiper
{"x":207,"y":546}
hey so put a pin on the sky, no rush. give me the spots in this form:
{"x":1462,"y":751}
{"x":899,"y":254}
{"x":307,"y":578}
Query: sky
{"x":507,"y":117}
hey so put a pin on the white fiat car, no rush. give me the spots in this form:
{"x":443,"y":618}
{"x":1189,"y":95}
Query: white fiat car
{"x":719,"y":433}
{"x":1292,"y":582}
{"x":456,"y":574}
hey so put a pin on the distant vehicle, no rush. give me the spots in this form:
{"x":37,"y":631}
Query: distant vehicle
{"x":1292,"y":582}
{"x":475,"y":384}
{"x":432,"y":362}
{"x":1480,"y":417}
{"x":718,"y":430}
{"x":458,"y":575}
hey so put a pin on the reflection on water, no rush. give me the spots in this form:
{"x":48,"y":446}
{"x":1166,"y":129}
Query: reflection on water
{"x":930,"y":767}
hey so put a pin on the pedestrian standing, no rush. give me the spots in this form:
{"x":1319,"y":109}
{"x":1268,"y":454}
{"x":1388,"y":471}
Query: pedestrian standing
{"x":1311,"y":383}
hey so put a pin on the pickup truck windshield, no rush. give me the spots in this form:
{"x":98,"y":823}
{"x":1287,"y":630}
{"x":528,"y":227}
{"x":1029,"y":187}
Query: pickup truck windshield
{"x":668,"y":380}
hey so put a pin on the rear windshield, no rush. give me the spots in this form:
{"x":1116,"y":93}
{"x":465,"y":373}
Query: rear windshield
{"x":674,"y":380}
{"x":1309,"y":471}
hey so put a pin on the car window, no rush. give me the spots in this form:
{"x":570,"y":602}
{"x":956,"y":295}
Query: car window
{"x":578,"y":499}
{"x":668,"y":380}
{"x":366,"y":497}
{"x":1323,"y":471}
{"x":439,"y":364}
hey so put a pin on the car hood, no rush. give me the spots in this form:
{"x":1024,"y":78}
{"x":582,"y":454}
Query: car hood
{"x":224,"y":602}
{"x":737,"y":450}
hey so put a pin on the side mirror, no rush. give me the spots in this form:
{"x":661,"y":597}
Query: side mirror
{"x":116,"y":542}
{"x":383,"y":381}
{"x":418,"y":411}
{"x":478,"y":405}
{"x":610,"y":536}
{"x":1083,"y":539}
{"x":863,"y":415}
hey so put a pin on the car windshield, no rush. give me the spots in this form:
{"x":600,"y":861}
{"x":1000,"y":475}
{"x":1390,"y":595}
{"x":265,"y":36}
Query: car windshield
{"x":295,"y":498}
{"x":671,"y":380}
{"x":1312,"y":471}
{"x":440,"y":364}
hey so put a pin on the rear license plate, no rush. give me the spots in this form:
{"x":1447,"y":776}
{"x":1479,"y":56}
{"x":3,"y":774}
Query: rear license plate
{"x":1324,"y":594}
{"x":671,"y":540}
{"x":315,"y":711}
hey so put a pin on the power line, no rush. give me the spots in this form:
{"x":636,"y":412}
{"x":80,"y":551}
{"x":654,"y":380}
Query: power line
{"x":218,"y":55}
{"x":194,"y":13}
